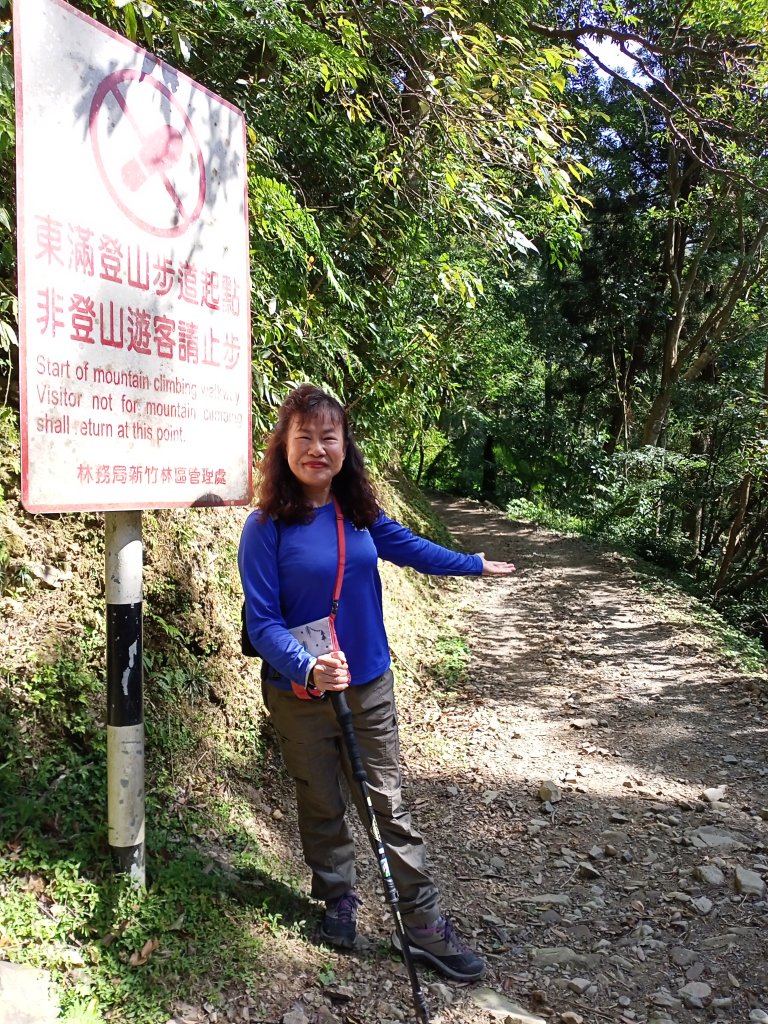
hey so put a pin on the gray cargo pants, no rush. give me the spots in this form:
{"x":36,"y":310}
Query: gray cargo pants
{"x":314,"y":755}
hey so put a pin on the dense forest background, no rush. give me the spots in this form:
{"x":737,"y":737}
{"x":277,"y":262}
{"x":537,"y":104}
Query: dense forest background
{"x":534,"y":264}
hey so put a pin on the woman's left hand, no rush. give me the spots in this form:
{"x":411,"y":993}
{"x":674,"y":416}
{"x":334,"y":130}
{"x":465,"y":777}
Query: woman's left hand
{"x":330,"y":672}
{"x":495,"y":568}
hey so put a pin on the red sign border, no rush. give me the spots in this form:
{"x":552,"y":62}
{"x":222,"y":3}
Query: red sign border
{"x":21,"y":271}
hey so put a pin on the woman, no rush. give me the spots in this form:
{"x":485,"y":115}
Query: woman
{"x":288,"y":560}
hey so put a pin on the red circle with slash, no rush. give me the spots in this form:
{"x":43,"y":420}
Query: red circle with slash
{"x":158,"y":151}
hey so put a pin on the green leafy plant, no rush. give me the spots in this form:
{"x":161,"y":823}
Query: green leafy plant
{"x":452,"y":660}
{"x":326,"y":975}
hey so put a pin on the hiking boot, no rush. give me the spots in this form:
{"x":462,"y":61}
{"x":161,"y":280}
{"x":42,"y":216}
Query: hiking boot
{"x":339,"y":925}
{"x":438,"y":945}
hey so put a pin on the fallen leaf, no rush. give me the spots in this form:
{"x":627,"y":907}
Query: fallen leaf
{"x":149,"y":947}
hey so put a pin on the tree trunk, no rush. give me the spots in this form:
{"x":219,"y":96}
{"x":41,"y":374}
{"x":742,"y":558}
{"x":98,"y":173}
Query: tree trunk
{"x":490,"y":470}
{"x":750,"y":581}
{"x":654,"y":422}
{"x":420,"y":470}
{"x":618,"y":426}
{"x":657,"y":414}
{"x":742,"y":501}
{"x":748,"y":546}
{"x":625,"y":374}
{"x":693,"y":515}
{"x":548,"y":402}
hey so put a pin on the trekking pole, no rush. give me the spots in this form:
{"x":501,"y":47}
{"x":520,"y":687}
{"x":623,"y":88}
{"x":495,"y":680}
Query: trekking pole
{"x":344,"y":716}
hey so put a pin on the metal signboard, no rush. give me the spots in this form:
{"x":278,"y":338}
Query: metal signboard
{"x":134,"y":275}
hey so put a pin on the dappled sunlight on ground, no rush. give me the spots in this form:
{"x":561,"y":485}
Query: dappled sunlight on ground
{"x":653,"y":746}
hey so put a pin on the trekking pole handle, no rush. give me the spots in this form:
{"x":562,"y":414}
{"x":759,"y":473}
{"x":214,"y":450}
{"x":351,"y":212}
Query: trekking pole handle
{"x":344,"y":716}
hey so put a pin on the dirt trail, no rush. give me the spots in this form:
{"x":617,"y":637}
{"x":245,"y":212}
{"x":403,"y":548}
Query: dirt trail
{"x":628,"y":895}
{"x":579,"y":677}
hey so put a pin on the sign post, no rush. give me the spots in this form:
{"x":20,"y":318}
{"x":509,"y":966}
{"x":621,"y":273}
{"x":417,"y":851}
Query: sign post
{"x":134,"y":317}
{"x":125,"y":691}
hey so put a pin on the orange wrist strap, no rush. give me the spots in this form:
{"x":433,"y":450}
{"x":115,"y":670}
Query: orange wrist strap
{"x":307,"y":691}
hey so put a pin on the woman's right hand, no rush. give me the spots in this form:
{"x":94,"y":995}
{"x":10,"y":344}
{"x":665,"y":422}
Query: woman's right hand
{"x":330,"y":672}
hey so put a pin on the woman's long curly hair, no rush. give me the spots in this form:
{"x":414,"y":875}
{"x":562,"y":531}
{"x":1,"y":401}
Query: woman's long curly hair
{"x":281,"y":495}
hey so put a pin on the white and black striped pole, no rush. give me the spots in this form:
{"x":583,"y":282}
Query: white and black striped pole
{"x":125,"y":692}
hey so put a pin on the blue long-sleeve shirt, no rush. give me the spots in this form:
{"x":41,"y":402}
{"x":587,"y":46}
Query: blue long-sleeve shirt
{"x":288,"y":577}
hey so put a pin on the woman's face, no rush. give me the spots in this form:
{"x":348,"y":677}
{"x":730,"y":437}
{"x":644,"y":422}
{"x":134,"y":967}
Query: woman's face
{"x":315,"y":451}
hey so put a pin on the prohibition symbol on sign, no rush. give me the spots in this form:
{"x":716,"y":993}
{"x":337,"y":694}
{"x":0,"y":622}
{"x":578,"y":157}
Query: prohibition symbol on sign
{"x":147,"y":152}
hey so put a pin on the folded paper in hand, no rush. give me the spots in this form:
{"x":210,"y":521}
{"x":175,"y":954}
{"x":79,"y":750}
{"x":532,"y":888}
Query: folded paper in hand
{"x":316,"y":637}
